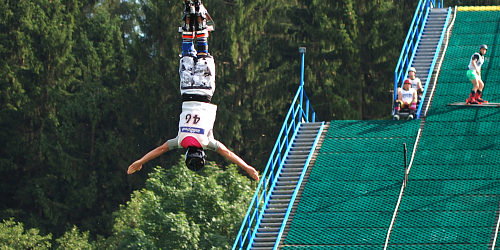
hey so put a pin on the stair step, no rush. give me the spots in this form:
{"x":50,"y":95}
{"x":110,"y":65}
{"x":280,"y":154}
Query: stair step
{"x":283,"y":192}
{"x":281,"y":196}
{"x":286,"y":182}
{"x":280,"y":205}
{"x":275,"y":210}
{"x":270,"y":225}
{"x":291,"y":169}
{"x":273,"y":219}
{"x":267,"y":235}
{"x":262,"y":244}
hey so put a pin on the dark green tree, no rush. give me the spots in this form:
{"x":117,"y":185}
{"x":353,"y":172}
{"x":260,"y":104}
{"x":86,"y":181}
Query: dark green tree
{"x":353,"y":47}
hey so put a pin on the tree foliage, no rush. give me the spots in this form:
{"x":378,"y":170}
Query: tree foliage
{"x":14,"y":237}
{"x":180,"y":209}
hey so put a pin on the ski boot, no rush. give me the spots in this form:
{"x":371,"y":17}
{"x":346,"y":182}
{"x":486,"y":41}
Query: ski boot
{"x":472,"y":99}
{"x":479,"y":99}
{"x":196,"y":17}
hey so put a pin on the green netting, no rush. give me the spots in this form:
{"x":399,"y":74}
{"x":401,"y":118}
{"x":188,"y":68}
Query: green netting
{"x":454,"y":172}
{"x":343,"y":247}
{"x":354,"y":185}
{"x":475,"y":39}
{"x":361,"y":159}
{"x":342,"y":219}
{"x":394,"y":247}
{"x":450,"y":203}
{"x":463,"y":89}
{"x":347,"y":203}
{"x":452,"y":193}
{"x":352,"y":188}
{"x":460,"y":128}
{"x":457,"y":157}
{"x":441,"y":235}
{"x":462,"y":63}
{"x":440,"y":247}
{"x":453,"y":187}
{"x":462,"y":52}
{"x":472,"y":18}
{"x":453,"y":114}
{"x":429,"y":219}
{"x":376,"y":129}
{"x":459,"y":142}
{"x":486,"y":27}
{"x":350,"y":173}
{"x":325,"y":236}
{"x":458,"y":77}
{"x":440,"y":103}
{"x":366,"y":144}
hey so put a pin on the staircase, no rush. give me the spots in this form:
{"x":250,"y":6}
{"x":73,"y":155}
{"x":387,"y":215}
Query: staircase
{"x":430,"y":87}
{"x":274,"y":215}
{"x":426,"y":50}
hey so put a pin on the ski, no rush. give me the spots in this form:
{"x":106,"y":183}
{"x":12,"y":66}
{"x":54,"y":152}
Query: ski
{"x":489,"y":104}
{"x":196,"y":17}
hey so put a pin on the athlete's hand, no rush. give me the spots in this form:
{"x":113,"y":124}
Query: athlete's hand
{"x":136,"y":166}
{"x":253,"y":173}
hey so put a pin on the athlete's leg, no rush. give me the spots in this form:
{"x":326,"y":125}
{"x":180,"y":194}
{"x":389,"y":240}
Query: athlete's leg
{"x":397,"y":108}
{"x":188,"y":44}
{"x":474,"y":79}
{"x":413,"y":111}
{"x":202,"y":42}
{"x":479,"y":92}
{"x":186,"y":71}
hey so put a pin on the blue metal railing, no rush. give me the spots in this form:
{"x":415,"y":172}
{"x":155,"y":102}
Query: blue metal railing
{"x":412,"y":39}
{"x":431,"y":69}
{"x":300,"y":111}
{"x":411,"y":43}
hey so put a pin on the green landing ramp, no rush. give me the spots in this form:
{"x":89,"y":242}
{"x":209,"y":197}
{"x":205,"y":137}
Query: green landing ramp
{"x":453,"y":193}
{"x":349,"y":198}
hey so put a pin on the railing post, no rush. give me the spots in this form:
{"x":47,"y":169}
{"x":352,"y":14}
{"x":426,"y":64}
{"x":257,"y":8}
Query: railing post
{"x":302,"y":51}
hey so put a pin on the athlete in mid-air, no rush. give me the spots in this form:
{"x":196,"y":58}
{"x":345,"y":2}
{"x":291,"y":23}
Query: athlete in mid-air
{"x":474,"y":75}
{"x":196,"y":134}
{"x":197,"y":86}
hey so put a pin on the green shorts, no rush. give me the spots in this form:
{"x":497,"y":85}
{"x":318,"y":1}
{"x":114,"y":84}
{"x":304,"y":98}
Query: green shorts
{"x":471,"y":74}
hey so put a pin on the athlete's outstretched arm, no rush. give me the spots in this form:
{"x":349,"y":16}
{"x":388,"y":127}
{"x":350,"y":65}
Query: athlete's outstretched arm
{"x":238,"y":161}
{"x":137,"y":165}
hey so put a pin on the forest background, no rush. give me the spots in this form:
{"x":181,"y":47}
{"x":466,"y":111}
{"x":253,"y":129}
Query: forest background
{"x":87,"y":87}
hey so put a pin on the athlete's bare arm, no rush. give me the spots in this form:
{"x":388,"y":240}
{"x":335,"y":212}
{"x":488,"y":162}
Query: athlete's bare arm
{"x":475,"y":67}
{"x":419,"y":86}
{"x":238,"y":161}
{"x":137,"y":165}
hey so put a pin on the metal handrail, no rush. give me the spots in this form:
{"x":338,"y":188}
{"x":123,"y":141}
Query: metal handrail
{"x":410,"y":46}
{"x":299,"y":112}
{"x":436,"y":55}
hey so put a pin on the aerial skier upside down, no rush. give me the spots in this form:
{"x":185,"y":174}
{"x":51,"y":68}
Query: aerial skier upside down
{"x":197,"y":85}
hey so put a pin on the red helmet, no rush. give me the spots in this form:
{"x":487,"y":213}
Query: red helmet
{"x":407,"y":81}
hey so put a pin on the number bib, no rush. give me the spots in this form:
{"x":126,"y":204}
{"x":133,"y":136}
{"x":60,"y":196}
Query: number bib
{"x":197,"y":120}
